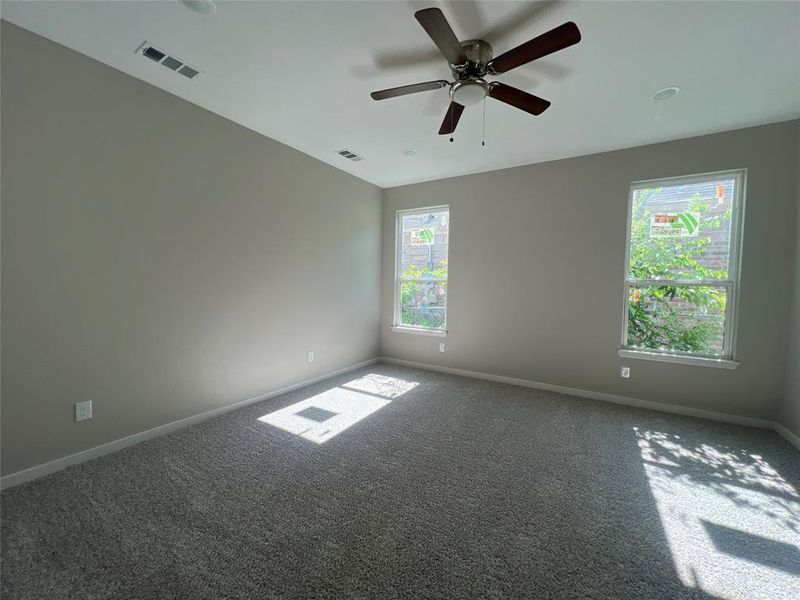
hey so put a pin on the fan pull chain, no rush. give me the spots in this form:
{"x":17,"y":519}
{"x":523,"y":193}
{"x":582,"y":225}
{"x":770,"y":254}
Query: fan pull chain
{"x":451,"y":123}
{"x":483,"y":133}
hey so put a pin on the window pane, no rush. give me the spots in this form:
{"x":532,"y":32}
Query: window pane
{"x":677,"y":318}
{"x":682,"y":231}
{"x":423,"y":304}
{"x":424,"y":245}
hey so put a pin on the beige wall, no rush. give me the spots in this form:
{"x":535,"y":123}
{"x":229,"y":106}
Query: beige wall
{"x":536,"y":269}
{"x":160,"y":260}
{"x":790,"y":413}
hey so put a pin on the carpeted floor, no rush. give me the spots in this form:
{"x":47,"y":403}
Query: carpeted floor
{"x":397,"y":483}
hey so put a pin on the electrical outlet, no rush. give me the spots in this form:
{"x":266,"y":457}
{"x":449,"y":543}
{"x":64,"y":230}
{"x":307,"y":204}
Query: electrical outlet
{"x":310,"y":357}
{"x":83,"y":410}
{"x":441,"y":347}
{"x":625,"y":372}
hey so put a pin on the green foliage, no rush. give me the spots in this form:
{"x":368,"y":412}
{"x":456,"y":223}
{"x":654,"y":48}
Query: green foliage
{"x":414,"y":272}
{"x":657,"y":316}
{"x":417,"y":297}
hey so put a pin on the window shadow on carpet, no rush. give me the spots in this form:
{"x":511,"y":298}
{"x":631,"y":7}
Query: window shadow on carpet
{"x":732,"y":520}
{"x":754,"y":548}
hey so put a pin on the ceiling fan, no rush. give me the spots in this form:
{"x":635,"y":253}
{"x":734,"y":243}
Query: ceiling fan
{"x":471,"y":61}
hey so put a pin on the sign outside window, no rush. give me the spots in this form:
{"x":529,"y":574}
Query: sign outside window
{"x":684,"y":224}
{"x":422,"y":237}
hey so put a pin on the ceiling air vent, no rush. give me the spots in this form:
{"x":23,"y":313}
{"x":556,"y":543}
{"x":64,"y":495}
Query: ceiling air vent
{"x":350,"y":155}
{"x":154,"y":54}
{"x":158,"y":55}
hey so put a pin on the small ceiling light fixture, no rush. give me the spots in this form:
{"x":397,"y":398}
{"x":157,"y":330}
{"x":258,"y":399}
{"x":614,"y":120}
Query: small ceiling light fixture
{"x":410,"y":151}
{"x":665,"y":93}
{"x":203,"y":7}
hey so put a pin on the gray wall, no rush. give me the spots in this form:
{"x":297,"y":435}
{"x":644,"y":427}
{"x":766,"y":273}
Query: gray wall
{"x":790,"y":413}
{"x":160,"y":260}
{"x":536,"y":271}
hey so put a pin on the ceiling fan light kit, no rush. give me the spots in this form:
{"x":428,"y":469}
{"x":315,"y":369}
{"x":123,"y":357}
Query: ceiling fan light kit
{"x":469,"y":92}
{"x":471,"y":61}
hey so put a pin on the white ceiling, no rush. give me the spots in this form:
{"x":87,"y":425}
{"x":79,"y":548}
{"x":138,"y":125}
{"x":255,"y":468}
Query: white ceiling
{"x":301,"y":73}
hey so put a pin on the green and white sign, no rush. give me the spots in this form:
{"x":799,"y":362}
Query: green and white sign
{"x":684,"y":224}
{"x":422,"y":237}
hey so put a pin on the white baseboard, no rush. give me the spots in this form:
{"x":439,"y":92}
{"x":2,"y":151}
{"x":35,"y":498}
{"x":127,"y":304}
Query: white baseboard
{"x":625,"y":400}
{"x":73,"y":459}
{"x":58,"y":464}
{"x":788,"y":435}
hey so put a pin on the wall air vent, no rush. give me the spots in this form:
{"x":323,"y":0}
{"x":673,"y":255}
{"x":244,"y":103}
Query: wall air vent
{"x":349,"y":155}
{"x":163,"y":58}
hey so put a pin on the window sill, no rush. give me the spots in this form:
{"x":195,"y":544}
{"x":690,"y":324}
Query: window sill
{"x":717,"y":363}
{"x":420,"y":331}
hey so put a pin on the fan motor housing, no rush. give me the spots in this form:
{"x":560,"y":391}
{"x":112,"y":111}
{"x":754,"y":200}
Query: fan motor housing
{"x":479,"y":54}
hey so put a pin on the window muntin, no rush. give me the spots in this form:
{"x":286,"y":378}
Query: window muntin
{"x":421,"y":271}
{"x":682,"y":265}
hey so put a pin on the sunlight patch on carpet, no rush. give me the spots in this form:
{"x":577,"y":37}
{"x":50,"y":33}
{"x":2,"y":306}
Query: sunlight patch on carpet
{"x":381,"y":385}
{"x":731,"y":520}
{"x":331,"y":412}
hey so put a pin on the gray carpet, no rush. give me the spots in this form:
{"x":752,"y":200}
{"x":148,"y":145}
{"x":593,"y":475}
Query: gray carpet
{"x":452,"y":488}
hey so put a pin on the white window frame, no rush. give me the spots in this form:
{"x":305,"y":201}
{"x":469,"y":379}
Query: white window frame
{"x":397,"y":325}
{"x":727,"y":359}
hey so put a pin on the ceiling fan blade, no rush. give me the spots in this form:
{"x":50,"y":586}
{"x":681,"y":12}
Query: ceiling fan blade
{"x":518,"y":99}
{"x":434,"y":23}
{"x":451,"y":118}
{"x":408,"y":89}
{"x":554,"y":40}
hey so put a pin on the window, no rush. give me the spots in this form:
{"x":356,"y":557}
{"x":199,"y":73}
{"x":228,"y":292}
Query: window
{"x":421,"y":270}
{"x":682,"y":266}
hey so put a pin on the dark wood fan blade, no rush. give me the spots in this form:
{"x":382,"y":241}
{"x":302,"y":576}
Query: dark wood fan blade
{"x":434,"y":23}
{"x":554,"y":40}
{"x":518,"y":99}
{"x":451,"y":118}
{"x":408,"y":89}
